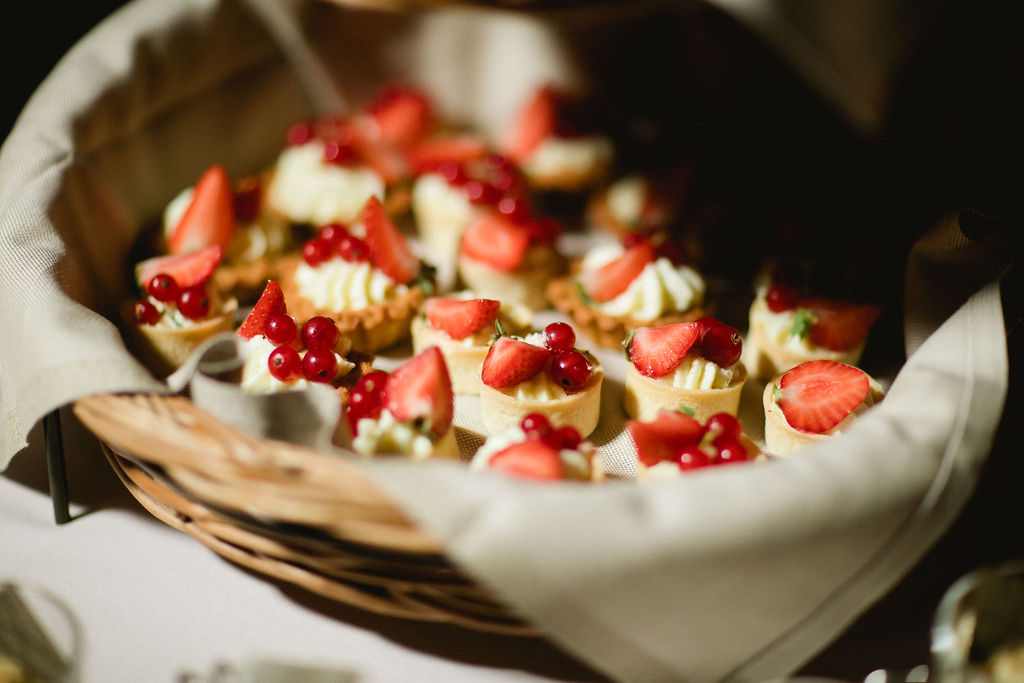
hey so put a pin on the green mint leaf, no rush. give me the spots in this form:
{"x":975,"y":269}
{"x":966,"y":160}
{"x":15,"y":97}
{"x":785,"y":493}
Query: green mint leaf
{"x":803,"y":320}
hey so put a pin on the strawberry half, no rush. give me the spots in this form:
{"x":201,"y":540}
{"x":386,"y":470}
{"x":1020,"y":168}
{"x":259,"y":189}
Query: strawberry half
{"x":403,"y":115}
{"x":663,"y":437}
{"x":535,"y":123}
{"x":421,"y":389}
{"x":187,"y":270}
{"x":209,"y":218}
{"x":657,"y":351}
{"x":817,"y":395}
{"x":271,"y":302}
{"x":459,"y":149}
{"x":459,"y":318}
{"x":388,"y":248}
{"x":614,"y":277}
{"x":497,"y":241}
{"x":510,"y":361}
{"x":531,"y":459}
{"x":839,"y":325}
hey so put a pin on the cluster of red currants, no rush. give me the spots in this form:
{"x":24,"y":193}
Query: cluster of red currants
{"x":193,"y":302}
{"x":537,"y":426}
{"x":319,"y":336}
{"x":566,"y":366}
{"x":334,"y":240}
{"x":367,"y":397}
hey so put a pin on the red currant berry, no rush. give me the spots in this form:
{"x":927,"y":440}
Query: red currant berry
{"x":320,"y":365}
{"x":566,"y":436}
{"x":542,"y":231}
{"x":453,"y":173}
{"x":722,"y":345}
{"x":298,"y":134}
{"x":515,"y":208}
{"x":320,"y":331}
{"x":339,"y":153}
{"x":674,"y":252}
{"x":535,"y":425}
{"x":559,"y":337}
{"x":162,"y":287}
{"x":569,"y":369}
{"x":145,"y":313}
{"x":373,"y":382}
{"x":247,"y":201}
{"x":704,"y":324}
{"x":723,"y":427}
{"x":480,"y":192}
{"x":730,"y":452}
{"x":364,"y":401}
{"x":353,"y":249}
{"x":280,"y":329}
{"x":285,"y":364}
{"x":631,"y":239}
{"x":194,"y":302}
{"x":781,"y":297}
{"x":316,"y":251}
{"x":502,"y":180}
{"x":332,"y":232}
{"x":692,"y":457}
{"x":497,"y":161}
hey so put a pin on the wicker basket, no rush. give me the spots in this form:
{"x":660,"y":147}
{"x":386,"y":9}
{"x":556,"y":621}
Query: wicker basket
{"x":311,"y":519}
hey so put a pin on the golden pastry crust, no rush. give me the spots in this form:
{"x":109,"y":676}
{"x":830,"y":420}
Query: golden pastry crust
{"x":645,"y":396}
{"x":463,"y":361}
{"x":606,"y":330}
{"x":524,"y":285}
{"x":501,"y":410}
{"x":569,"y":182}
{"x":371,"y":329}
{"x":163,"y":350}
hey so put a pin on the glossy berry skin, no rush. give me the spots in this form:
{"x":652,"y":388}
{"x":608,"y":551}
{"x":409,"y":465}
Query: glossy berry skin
{"x":569,"y":369}
{"x":145,"y":313}
{"x":730,"y":452}
{"x":316,"y":251}
{"x":781,"y":297}
{"x":535,"y":424}
{"x":723,"y":428}
{"x":353,"y":249}
{"x":722,"y":345}
{"x":320,"y":331}
{"x":194,"y":302}
{"x":320,"y":365}
{"x":566,"y":436}
{"x":366,"y":398}
{"x":332,"y":232}
{"x":339,"y":152}
{"x":559,"y":337}
{"x":692,"y":457}
{"x":280,"y":329}
{"x":162,"y":287}
{"x":299,"y":134}
{"x":247,"y":202}
{"x":285,"y":364}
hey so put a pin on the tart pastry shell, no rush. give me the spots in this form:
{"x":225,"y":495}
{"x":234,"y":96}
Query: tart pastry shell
{"x":501,"y":410}
{"x":163,"y":349}
{"x":645,"y":396}
{"x":464,"y":362}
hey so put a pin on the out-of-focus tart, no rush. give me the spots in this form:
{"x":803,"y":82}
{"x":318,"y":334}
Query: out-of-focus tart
{"x":537,"y":449}
{"x":673,"y":443}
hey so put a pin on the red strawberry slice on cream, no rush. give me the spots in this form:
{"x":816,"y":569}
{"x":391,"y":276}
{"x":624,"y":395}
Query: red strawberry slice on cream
{"x":210,"y":216}
{"x":839,"y":325}
{"x":403,"y":115}
{"x":817,"y":395}
{"x":614,"y":277}
{"x":459,"y":318}
{"x":535,"y":123}
{"x":190,"y":269}
{"x":458,"y":149}
{"x":665,"y":436}
{"x":657,"y":351}
{"x":421,"y":389}
{"x":511,"y":361}
{"x":271,"y":302}
{"x":388,"y":248}
{"x":497,"y":241}
{"x":530,"y":459}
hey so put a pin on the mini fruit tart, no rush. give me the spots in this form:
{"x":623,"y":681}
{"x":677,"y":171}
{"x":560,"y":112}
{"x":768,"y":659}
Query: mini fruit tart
{"x":213,"y":212}
{"x":280,"y":356}
{"x":814,"y":401}
{"x":692,"y":366}
{"x":366,"y":278}
{"x":618,"y":287}
{"x":552,"y":143}
{"x":541,"y":373}
{"x":463,"y":329}
{"x":788,"y":327}
{"x":673,"y":443}
{"x":408,"y":412}
{"x":179,"y":310}
{"x":510,"y":258}
{"x":536,"y":449}
{"x":638,"y":203}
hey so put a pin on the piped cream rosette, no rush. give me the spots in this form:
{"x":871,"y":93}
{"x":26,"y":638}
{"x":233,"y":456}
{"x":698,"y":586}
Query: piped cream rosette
{"x":697,"y":384}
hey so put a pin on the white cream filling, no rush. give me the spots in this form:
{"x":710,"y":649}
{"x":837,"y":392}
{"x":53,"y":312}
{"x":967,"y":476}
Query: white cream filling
{"x":698,"y":373}
{"x":568,"y":156}
{"x":340,"y":285}
{"x":441,"y":210}
{"x":388,"y":435}
{"x":777,"y":328}
{"x":307,"y":189}
{"x":626,"y":199}
{"x":172,"y":319}
{"x":256,"y":375}
{"x":661,"y":288}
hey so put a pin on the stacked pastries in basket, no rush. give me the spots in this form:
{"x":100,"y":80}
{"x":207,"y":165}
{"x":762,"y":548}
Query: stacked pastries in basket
{"x":387,"y":226}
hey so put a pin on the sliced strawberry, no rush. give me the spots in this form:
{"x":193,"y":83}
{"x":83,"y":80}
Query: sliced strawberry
{"x":209,"y":218}
{"x":531,"y":459}
{"x":657,"y":351}
{"x":665,"y":436}
{"x":388,"y":249}
{"x":421,"y":389}
{"x":497,"y":241}
{"x":187,"y":269}
{"x":403,"y":115}
{"x":510,"y":361}
{"x":817,"y":395}
{"x":459,"y":149}
{"x":459,"y":318}
{"x":536,"y":122}
{"x":271,"y":302}
{"x":386,"y":159}
{"x":839,"y":325}
{"x":614,"y":278}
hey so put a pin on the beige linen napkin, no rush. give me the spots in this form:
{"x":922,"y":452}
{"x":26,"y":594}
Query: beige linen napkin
{"x":742,"y":573}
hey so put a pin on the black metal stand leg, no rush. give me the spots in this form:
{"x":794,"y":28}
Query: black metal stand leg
{"x":55,"y":467}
